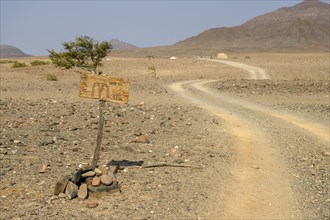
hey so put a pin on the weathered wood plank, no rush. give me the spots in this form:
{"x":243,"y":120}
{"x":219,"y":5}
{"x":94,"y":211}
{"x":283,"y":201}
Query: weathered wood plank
{"x":104,"y":88}
{"x":99,"y":135}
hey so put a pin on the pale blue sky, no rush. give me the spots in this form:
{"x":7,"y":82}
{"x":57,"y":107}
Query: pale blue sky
{"x":34,"y":26}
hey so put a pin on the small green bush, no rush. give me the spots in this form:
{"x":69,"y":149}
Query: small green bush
{"x":153,"y":70}
{"x":51,"y":77}
{"x":6,"y":61}
{"x":39,"y":62}
{"x":18,"y":64}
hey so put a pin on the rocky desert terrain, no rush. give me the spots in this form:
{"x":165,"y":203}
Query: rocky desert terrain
{"x":239,"y":146}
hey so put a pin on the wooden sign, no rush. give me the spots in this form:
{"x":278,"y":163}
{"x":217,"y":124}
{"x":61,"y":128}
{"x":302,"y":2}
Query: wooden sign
{"x":104,"y":88}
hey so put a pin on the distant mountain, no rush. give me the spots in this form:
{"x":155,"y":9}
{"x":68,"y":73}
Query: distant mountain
{"x":121,"y":45}
{"x":11,"y":51}
{"x":304,"y":26}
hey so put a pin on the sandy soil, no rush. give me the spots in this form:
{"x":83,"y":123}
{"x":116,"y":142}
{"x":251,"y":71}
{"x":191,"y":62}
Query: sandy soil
{"x":261,"y":146}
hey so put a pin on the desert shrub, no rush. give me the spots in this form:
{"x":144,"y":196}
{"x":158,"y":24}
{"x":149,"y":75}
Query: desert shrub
{"x":86,"y":54}
{"x":153,"y":70}
{"x":39,"y":62}
{"x":18,"y":64}
{"x":6,"y":61}
{"x":51,"y":77}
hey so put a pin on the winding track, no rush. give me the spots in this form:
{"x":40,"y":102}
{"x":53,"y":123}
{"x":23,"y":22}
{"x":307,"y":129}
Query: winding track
{"x":254,"y":72}
{"x":265,"y":193}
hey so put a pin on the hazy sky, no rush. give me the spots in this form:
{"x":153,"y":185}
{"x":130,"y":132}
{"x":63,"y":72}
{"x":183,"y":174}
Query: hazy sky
{"x":34,"y":26}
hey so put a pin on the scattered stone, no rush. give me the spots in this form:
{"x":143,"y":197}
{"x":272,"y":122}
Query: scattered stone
{"x":98,"y":172}
{"x":62,"y":195}
{"x":31,"y":149}
{"x":17,"y":142}
{"x":215,"y":121}
{"x":85,"y":168}
{"x":83,"y":193}
{"x":96,"y":181}
{"x":76,"y":176}
{"x":89,"y":180}
{"x":47,"y":142}
{"x":71,"y":190}
{"x":179,"y":161}
{"x":326,"y":153}
{"x":103,"y":188}
{"x":106,"y":180}
{"x":103,"y":169}
{"x":255,"y":167}
{"x":143,"y":139}
{"x":112,"y":169}
{"x":43,"y":168}
{"x":5,"y":170}
{"x":88,"y":174}
{"x":91,"y":204}
{"x":61,"y":185}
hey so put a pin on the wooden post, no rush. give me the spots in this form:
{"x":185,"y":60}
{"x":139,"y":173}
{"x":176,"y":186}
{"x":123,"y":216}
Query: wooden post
{"x":99,"y":135}
{"x":103,"y":88}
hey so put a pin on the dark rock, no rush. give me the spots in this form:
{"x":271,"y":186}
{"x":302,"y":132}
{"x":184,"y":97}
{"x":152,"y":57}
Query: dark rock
{"x":76,"y":176}
{"x":61,"y":185}
{"x":71,"y":190}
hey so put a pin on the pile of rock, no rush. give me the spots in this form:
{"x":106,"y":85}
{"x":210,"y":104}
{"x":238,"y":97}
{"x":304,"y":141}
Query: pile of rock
{"x":85,"y":180}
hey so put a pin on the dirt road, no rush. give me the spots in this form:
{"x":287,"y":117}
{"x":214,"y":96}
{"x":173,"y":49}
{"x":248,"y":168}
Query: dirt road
{"x":254,"y":72}
{"x":262,"y":186}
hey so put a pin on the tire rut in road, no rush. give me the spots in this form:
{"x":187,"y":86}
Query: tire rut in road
{"x":260,"y":188}
{"x":254,"y":72}
{"x":321,"y":131}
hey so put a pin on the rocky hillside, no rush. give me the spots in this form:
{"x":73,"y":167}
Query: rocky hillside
{"x":304,"y":26}
{"x":121,"y":45}
{"x":11,"y":51}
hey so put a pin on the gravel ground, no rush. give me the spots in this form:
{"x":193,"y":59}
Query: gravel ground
{"x":46,"y":123}
{"x":62,"y":135}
